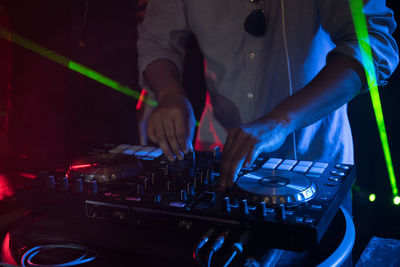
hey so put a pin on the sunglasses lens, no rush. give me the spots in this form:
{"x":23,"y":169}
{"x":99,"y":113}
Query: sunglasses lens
{"x":255,"y":23}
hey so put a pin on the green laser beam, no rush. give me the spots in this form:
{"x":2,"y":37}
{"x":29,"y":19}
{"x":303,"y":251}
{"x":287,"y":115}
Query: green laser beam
{"x":360,"y":25}
{"x":72,"y":65}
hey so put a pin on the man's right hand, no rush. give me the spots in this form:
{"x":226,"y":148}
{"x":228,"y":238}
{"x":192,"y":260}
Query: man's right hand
{"x":171,"y":125}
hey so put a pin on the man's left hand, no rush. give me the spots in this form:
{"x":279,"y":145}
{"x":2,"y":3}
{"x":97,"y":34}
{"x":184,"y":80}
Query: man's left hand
{"x":244,"y":144}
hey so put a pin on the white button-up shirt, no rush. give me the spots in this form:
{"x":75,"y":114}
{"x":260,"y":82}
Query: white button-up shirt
{"x":247,"y":76}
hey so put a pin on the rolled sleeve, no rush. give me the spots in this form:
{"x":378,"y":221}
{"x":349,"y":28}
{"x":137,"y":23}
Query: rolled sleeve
{"x":161,"y":35}
{"x":336,"y":19}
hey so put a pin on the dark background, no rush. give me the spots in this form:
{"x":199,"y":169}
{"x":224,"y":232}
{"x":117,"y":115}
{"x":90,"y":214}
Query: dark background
{"x":57,"y":114}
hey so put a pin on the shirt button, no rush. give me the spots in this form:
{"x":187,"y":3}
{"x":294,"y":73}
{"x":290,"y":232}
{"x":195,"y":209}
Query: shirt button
{"x":250,"y":95}
{"x":252,"y":55}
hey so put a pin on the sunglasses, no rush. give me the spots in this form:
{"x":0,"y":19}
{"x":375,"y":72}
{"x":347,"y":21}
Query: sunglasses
{"x":255,"y":23}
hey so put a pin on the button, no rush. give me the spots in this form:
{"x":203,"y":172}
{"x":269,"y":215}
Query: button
{"x":177,"y":204}
{"x":285,"y":167}
{"x":119,"y":148}
{"x":342,"y":167}
{"x":336,"y":173}
{"x":289,"y":212}
{"x":305,"y":163}
{"x":316,"y":170}
{"x":275,"y":160}
{"x":324,"y":198}
{"x":320,"y":165}
{"x":299,"y":219}
{"x":270,"y":165}
{"x":289,"y":161}
{"x":252,"y":55}
{"x":308,"y":220}
{"x":333,"y":179}
{"x":300,"y":169}
{"x":250,"y":95}
{"x":330,"y":184}
{"x":316,"y":207}
{"x":155,"y":154}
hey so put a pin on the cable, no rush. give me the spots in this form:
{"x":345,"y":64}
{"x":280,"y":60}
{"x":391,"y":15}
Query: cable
{"x":203,"y":240}
{"x":26,"y":259}
{"x":209,"y":258}
{"x":238,"y":247}
{"x":288,"y":70}
{"x":230,"y":258}
{"x":219,"y":241}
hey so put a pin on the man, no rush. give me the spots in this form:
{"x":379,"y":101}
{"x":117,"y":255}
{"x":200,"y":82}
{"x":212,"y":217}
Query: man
{"x":279,"y":75}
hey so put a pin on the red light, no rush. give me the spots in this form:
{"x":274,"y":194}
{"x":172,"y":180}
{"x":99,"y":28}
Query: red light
{"x":5,"y":188}
{"x":74,"y":167}
{"x":27,"y":175}
{"x":6,"y":252}
{"x":141,"y":98}
{"x":81,"y":166}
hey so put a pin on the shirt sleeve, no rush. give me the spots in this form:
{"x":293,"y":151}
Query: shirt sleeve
{"x":162,"y":35}
{"x":336,"y":19}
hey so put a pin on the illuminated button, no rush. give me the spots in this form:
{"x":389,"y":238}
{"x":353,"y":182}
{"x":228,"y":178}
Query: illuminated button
{"x":141,"y":153}
{"x":289,"y":212}
{"x":270,"y":165}
{"x":155,"y":153}
{"x":119,"y":148}
{"x":177,"y":204}
{"x":300,"y":169}
{"x":252,"y":55}
{"x":333,"y":179}
{"x":285,"y":167}
{"x":131,"y":150}
{"x":342,"y":167}
{"x":316,"y":207}
{"x":316,"y":170}
{"x":275,"y":160}
{"x":289,"y":162}
{"x":308,"y":220}
{"x":299,"y":219}
{"x":320,"y":165}
{"x":148,"y":148}
{"x":305,"y":163}
{"x":336,"y":173}
{"x":250,"y":95}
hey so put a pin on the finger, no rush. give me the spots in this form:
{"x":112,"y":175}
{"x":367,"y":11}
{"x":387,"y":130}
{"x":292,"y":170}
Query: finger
{"x":162,"y":141}
{"x":169,"y":129}
{"x":231,"y":138}
{"x":238,"y":159}
{"x":151,"y":131}
{"x":251,"y":156}
{"x":233,"y":156}
{"x":182,"y":133}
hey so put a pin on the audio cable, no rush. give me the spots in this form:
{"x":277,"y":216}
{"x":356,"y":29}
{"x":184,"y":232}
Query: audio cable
{"x":219,"y":241}
{"x":203,"y":240}
{"x":26,"y":260}
{"x":237,"y":248}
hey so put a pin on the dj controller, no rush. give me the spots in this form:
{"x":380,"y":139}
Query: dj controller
{"x":288,"y":204}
